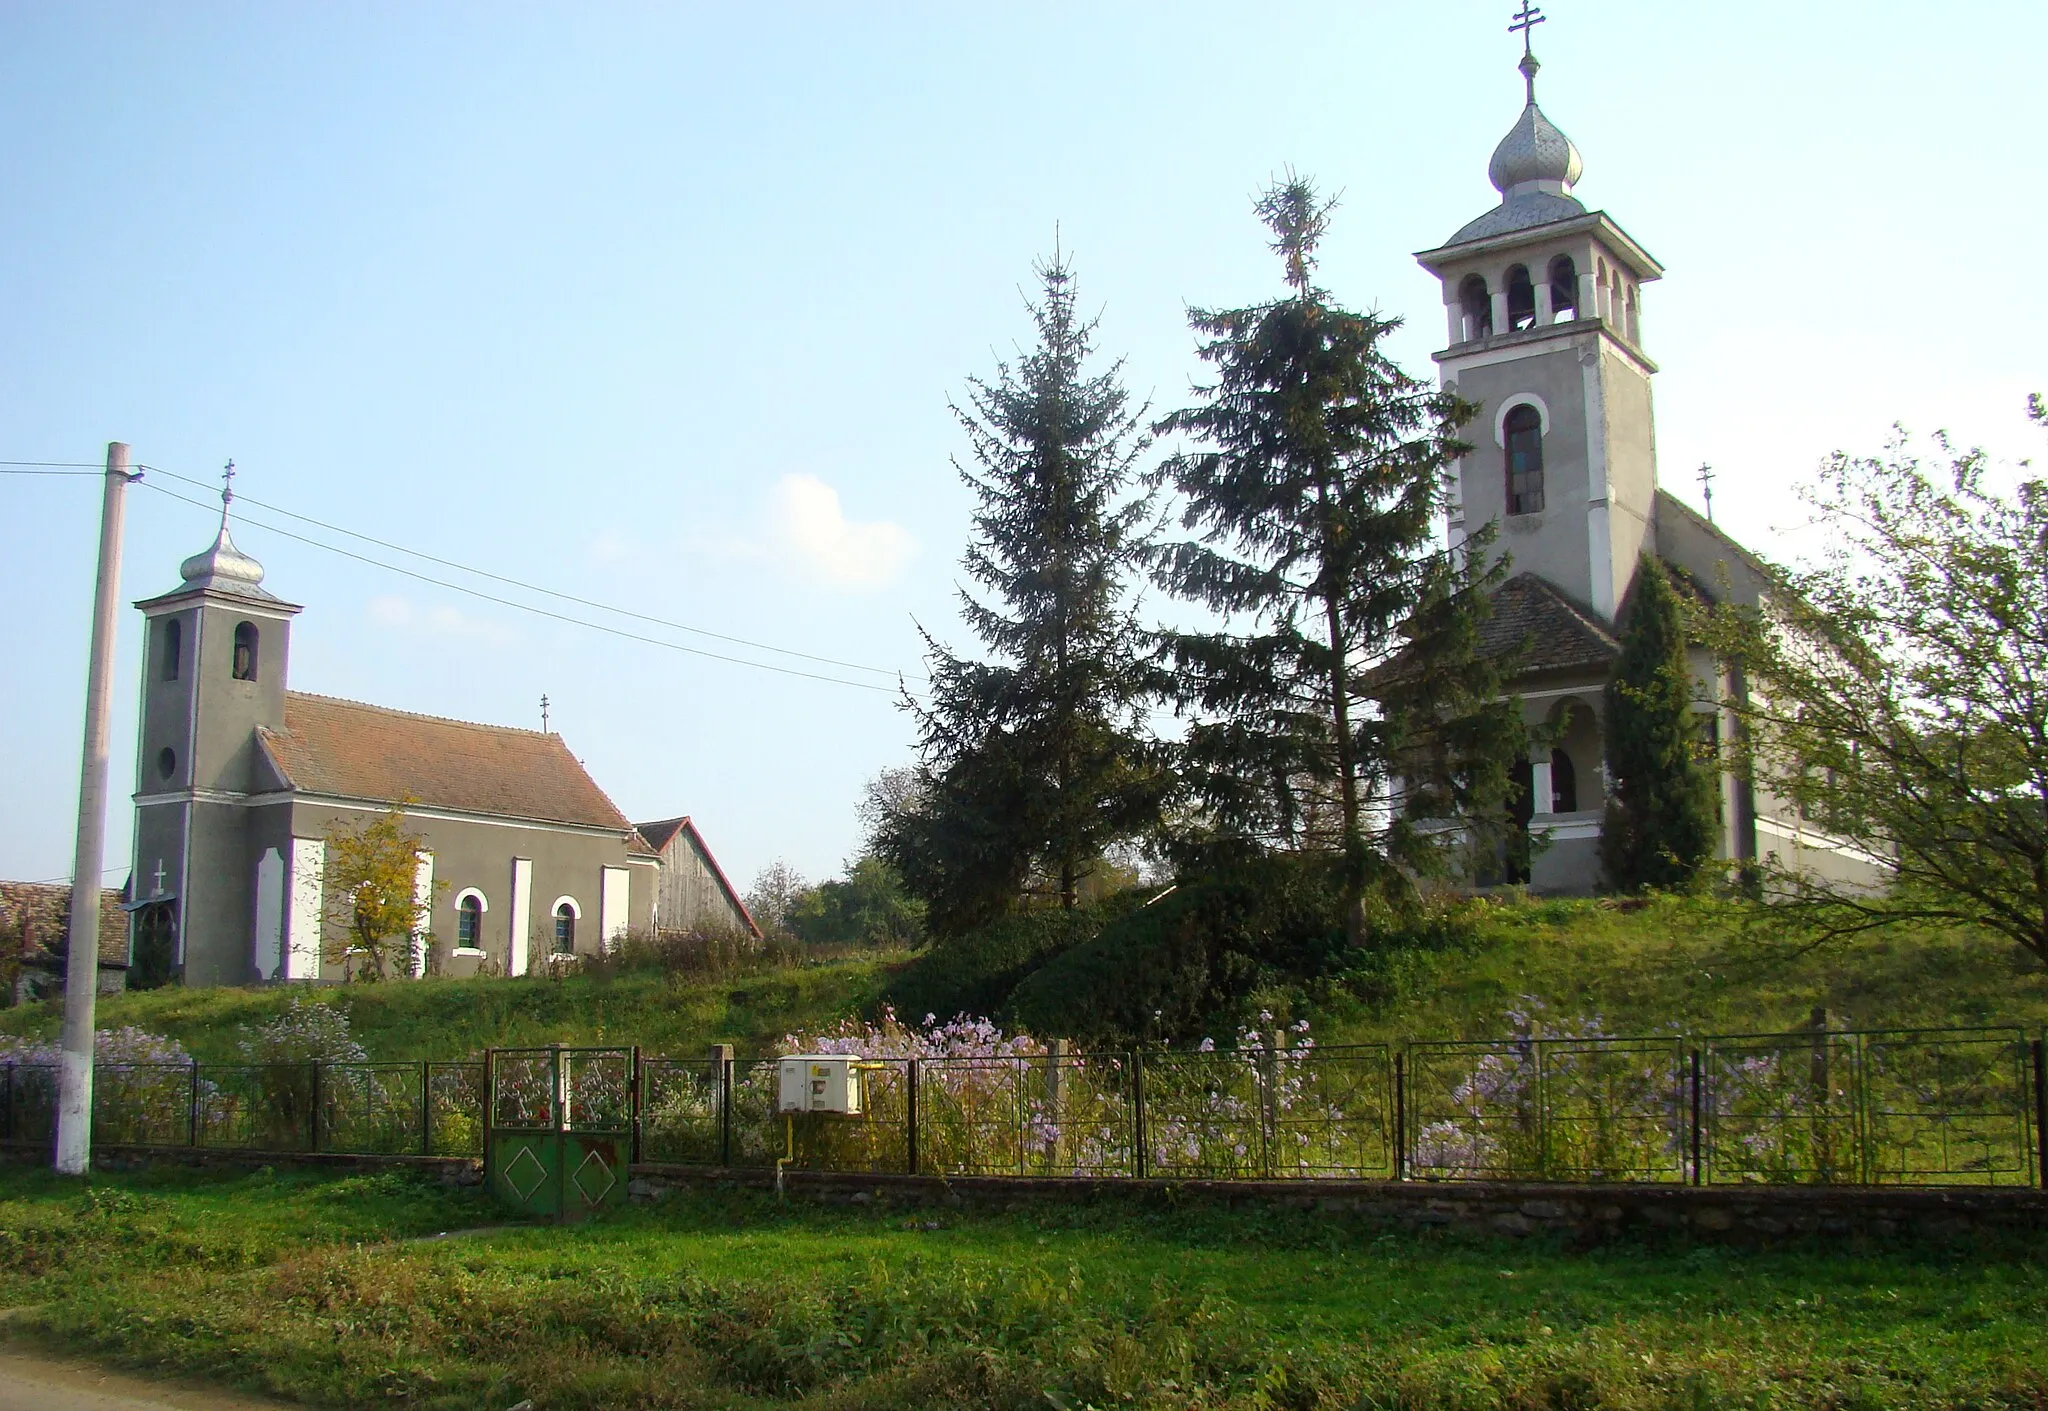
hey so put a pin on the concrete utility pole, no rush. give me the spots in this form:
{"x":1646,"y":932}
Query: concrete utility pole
{"x":82,"y":969}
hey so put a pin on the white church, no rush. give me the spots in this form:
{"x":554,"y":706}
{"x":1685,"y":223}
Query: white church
{"x":1543,"y":303}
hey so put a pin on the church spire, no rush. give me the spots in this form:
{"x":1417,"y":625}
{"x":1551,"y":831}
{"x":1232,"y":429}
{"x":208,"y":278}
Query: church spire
{"x":1525,"y":24}
{"x":223,"y":567}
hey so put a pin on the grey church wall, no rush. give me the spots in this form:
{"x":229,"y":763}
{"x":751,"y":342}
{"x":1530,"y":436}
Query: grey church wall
{"x":166,"y":715}
{"x":1552,"y":543}
{"x":230,"y":710}
{"x":1630,"y":432}
{"x":471,"y":853}
{"x":216,"y":910}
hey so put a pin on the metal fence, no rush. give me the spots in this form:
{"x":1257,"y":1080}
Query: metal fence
{"x":1815,"y":1107}
{"x":369,"y":1109}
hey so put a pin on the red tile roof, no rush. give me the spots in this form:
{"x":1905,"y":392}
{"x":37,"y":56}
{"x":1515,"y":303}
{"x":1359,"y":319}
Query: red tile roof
{"x":355,"y":751}
{"x":35,"y":915}
{"x":660,"y":834}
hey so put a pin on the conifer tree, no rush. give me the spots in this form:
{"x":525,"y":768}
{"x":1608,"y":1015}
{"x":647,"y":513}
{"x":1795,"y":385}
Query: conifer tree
{"x":1347,"y":701}
{"x":1659,"y":829}
{"x":1031,"y":763}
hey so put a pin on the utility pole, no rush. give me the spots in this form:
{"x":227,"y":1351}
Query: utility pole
{"x":82,"y":969}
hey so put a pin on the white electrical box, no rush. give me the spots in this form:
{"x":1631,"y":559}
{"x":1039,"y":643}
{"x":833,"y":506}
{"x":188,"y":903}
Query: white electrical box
{"x":820,"y":1082}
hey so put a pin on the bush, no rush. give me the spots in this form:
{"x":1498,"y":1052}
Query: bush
{"x":702,"y":951}
{"x":1192,"y":956}
{"x":976,"y":973}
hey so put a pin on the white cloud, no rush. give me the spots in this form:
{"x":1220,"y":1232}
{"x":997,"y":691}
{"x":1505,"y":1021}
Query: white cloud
{"x":811,"y":528}
{"x":438,"y":620}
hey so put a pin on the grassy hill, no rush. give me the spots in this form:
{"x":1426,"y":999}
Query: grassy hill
{"x":1636,"y":968}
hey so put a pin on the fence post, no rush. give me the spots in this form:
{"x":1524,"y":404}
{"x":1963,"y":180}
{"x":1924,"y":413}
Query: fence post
{"x":489,"y":1102}
{"x":636,"y":1105}
{"x":1269,"y":1113}
{"x":426,"y":1107}
{"x":1139,"y":1156}
{"x":1699,"y":1173}
{"x":7,"y":1116}
{"x":723,"y":1054}
{"x":2041,"y":1114}
{"x":313,"y":1117}
{"x":1400,"y":1115}
{"x":192,"y":1109}
{"x":910,"y":1115}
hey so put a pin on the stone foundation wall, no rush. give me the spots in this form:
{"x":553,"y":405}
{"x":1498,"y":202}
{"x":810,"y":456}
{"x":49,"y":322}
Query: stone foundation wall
{"x":1729,"y":1214}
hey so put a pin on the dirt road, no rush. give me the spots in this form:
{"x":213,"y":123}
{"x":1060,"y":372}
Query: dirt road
{"x":37,"y":1382}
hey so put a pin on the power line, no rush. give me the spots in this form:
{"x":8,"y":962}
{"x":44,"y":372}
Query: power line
{"x":528,"y":607}
{"x":60,"y":465}
{"x":8,"y":468}
{"x":535,"y":588}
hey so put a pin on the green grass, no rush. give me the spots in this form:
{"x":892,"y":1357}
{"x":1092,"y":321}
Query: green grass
{"x":299,"y":1285}
{"x":448,"y":1019}
{"x":1702,"y":965}
{"x":1640,"y":969}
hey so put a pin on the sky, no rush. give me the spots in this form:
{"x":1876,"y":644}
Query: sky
{"x":662,"y":306}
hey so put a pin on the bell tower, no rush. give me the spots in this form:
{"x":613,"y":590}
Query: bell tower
{"x":1544,"y":305}
{"x":213,"y":670}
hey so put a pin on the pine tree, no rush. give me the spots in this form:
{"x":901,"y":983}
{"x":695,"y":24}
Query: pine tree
{"x":1660,"y":824}
{"x":1350,"y":702}
{"x":1030,"y":762}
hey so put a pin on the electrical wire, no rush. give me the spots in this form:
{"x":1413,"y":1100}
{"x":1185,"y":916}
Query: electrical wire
{"x":61,"y":465}
{"x":535,"y":588}
{"x":528,"y":607}
{"x":8,"y":468}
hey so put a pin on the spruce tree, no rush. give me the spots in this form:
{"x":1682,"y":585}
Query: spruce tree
{"x":1031,"y":762}
{"x":1346,"y":703}
{"x":1660,"y":824}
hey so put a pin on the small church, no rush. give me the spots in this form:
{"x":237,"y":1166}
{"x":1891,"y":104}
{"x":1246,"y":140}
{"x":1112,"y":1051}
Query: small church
{"x":1544,"y":308}
{"x":240,"y":780}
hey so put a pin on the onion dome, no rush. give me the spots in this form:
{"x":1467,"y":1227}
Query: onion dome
{"x":223,"y":568}
{"x":1533,"y":168}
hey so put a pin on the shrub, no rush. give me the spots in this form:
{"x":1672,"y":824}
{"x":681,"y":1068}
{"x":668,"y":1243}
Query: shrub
{"x":975,"y":973}
{"x":307,"y":1032}
{"x":1194,"y":954}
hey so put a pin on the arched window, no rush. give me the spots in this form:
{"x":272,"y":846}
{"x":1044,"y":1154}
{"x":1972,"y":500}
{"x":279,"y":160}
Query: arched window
{"x":469,"y":922}
{"x":1635,"y":330}
{"x":1564,"y":783}
{"x":565,"y":929}
{"x":1564,"y":289}
{"x":1478,"y":306}
{"x":172,"y":648}
{"x":1521,"y":300}
{"x":1524,"y":437}
{"x":245,"y":651}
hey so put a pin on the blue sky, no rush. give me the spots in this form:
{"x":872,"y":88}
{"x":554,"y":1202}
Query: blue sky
{"x":661,"y":306}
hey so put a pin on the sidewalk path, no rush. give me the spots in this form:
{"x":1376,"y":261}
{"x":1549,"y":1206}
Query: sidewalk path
{"x":35,"y":1382}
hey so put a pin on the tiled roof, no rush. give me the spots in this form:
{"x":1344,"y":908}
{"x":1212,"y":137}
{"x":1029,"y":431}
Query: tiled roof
{"x":658,"y":834}
{"x":355,"y":751}
{"x":1558,"y":634}
{"x":35,"y":915}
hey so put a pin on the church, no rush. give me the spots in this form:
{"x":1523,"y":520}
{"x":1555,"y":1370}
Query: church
{"x":240,"y":780}
{"x":1544,"y":308}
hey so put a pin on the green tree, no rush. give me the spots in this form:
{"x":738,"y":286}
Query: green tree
{"x":1899,"y":694}
{"x":374,"y":910}
{"x":1031,"y":763}
{"x":1347,"y":706}
{"x":869,"y":906}
{"x":1661,"y":820}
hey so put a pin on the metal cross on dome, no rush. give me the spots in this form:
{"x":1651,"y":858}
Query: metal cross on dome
{"x":1525,"y":21}
{"x":227,"y":484}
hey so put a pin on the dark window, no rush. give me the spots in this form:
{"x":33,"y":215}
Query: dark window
{"x":565,"y":929}
{"x":167,"y":761}
{"x":1564,"y":288}
{"x":1521,"y":299}
{"x":1478,"y":308}
{"x":1524,"y":430}
{"x":469,"y":923}
{"x":1564,"y":783}
{"x":245,"y":651}
{"x":173,"y":649}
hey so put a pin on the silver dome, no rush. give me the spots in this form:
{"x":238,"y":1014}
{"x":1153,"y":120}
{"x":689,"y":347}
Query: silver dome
{"x":223,"y":568}
{"x":1534,"y":150}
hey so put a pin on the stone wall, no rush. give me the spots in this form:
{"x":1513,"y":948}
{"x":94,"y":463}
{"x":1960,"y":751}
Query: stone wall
{"x":1730,"y":1214}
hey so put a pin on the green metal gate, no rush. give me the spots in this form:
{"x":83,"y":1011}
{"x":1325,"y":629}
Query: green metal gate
{"x":560,"y":1129}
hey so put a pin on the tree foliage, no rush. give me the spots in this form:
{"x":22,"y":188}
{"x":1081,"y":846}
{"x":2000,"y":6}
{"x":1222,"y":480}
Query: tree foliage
{"x":1899,"y":693}
{"x":1660,"y":824}
{"x":375,"y":913}
{"x":1318,"y":473}
{"x":1031,"y":764}
{"x":869,"y":906}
